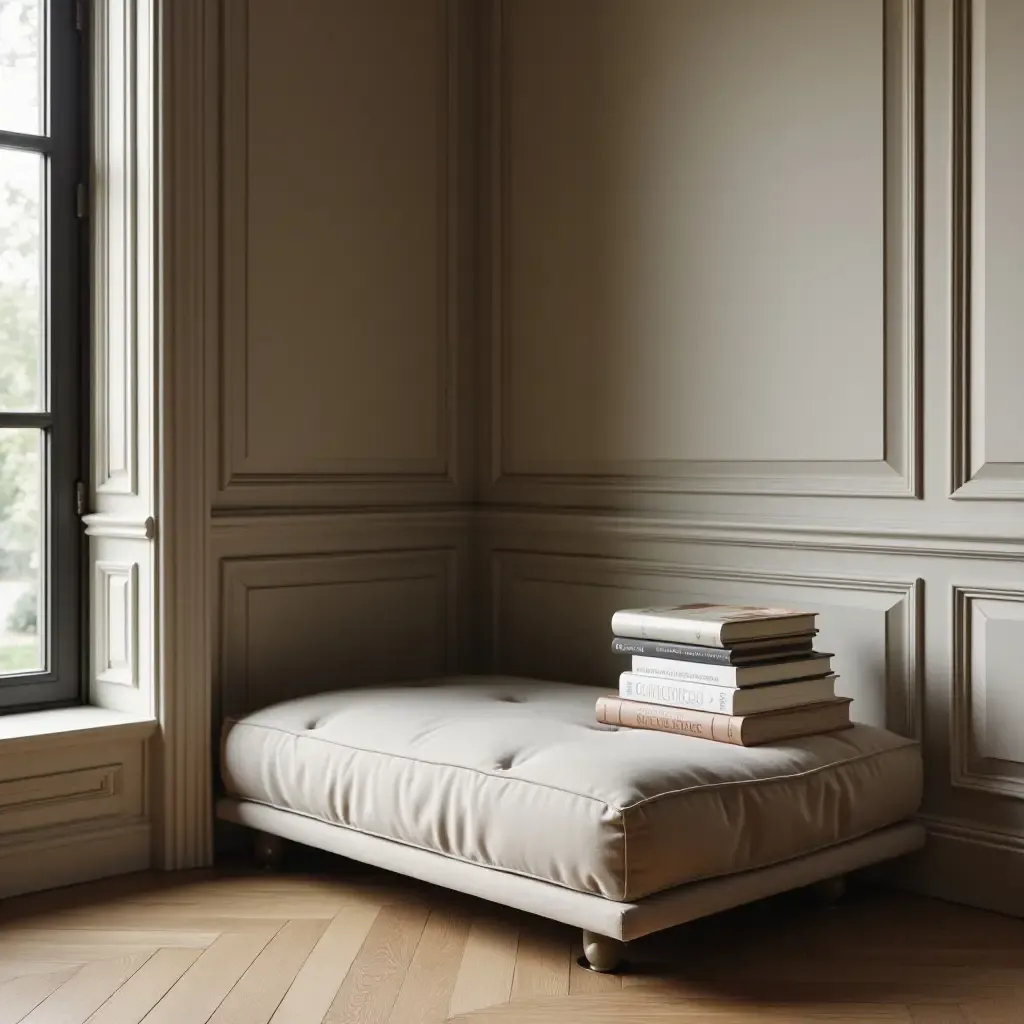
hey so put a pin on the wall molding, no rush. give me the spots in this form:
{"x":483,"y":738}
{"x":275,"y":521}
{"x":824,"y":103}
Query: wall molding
{"x":115,"y":608}
{"x":904,"y":626}
{"x":972,"y":769}
{"x":397,"y":517}
{"x":971,"y":475}
{"x":964,"y":862}
{"x":108,"y":524}
{"x":117,"y":207}
{"x":31,"y":801}
{"x":575,"y":530}
{"x":243,"y":475}
{"x":955,"y":828}
{"x":899,"y":473}
{"x":68,"y":856}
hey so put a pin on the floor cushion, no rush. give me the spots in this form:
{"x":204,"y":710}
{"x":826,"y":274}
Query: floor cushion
{"x":516,"y":774}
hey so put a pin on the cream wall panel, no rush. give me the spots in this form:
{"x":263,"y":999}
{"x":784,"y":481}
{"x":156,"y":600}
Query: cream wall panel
{"x":552,"y":614}
{"x":117,"y":636}
{"x":73,"y":811}
{"x":61,"y":797}
{"x":299,"y":625}
{"x":988,"y":708}
{"x":123,"y":653}
{"x":988,"y":440}
{"x":342,"y":230}
{"x":690,"y":153}
{"x":307,"y":603}
{"x":121,"y":202}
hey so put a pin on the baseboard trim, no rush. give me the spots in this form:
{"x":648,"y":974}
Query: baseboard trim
{"x":965,"y":863}
{"x":74,"y":855}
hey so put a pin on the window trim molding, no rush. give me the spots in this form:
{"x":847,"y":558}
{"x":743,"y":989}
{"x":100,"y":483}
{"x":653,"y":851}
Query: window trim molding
{"x":151,"y":179}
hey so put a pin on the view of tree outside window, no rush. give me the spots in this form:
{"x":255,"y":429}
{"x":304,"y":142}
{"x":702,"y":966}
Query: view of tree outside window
{"x":22,"y":338}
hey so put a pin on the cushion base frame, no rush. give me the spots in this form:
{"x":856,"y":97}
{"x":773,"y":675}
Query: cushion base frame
{"x":617,"y":920}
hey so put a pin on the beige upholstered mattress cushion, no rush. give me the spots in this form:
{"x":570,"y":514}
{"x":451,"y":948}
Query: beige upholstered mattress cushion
{"x":516,"y":774}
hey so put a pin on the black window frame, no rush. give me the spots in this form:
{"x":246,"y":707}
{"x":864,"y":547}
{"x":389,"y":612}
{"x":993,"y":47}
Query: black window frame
{"x":62,"y":144}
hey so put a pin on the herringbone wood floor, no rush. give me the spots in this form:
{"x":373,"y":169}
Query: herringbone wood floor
{"x":346,"y":944}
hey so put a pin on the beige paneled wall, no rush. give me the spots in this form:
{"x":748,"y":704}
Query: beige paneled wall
{"x":341,"y":384}
{"x":531,"y":309}
{"x":752,"y":308}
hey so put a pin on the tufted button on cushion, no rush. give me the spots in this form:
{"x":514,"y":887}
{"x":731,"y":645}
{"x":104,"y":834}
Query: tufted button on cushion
{"x":515,"y":774}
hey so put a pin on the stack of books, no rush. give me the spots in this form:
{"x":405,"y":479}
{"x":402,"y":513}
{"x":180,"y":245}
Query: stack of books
{"x":730,"y":673}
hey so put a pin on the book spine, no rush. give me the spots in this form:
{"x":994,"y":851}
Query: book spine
{"x":695,"y":696}
{"x":684,"y":652}
{"x":684,"y":671}
{"x":720,"y":728}
{"x":677,"y":631}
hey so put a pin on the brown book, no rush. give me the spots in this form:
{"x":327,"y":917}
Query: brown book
{"x":741,"y":730}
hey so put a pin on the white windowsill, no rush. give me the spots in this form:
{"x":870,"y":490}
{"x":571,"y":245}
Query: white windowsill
{"x":63,"y":726}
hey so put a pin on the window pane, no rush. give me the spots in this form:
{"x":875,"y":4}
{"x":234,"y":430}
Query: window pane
{"x":21,"y":65}
{"x":21,"y":279}
{"x":21,"y":551}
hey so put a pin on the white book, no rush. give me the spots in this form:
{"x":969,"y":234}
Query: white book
{"x":710,"y":625}
{"x":733,"y":675}
{"x":726,"y":700}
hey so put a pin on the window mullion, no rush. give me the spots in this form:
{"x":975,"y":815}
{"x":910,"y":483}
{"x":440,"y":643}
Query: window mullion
{"x":32,"y":143}
{"x":14,"y":420}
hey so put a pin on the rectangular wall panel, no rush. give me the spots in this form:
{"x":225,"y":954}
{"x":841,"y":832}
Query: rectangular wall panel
{"x":96,"y":784}
{"x":299,"y":624}
{"x":552,"y":615}
{"x":988,"y":356}
{"x":988,"y":708}
{"x":340,"y":229}
{"x":702,"y":221}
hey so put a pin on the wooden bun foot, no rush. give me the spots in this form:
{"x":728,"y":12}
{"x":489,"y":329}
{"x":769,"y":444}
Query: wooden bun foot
{"x":601,"y":954}
{"x":268,"y":851}
{"x":828,"y":892}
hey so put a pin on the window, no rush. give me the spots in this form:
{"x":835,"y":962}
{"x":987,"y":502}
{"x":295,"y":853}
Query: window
{"x":41,"y":342}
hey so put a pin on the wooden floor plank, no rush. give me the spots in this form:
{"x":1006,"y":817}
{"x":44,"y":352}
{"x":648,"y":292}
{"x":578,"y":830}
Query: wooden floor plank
{"x":488,"y":965}
{"x":259,"y":991}
{"x":202,"y":988}
{"x":542,"y":961}
{"x":139,"y":917}
{"x":19,"y":997}
{"x":622,"y":1009}
{"x":146,"y":987}
{"x":316,"y":907}
{"x":192,"y":938}
{"x":11,"y":969}
{"x":372,"y":984}
{"x":426,"y":992}
{"x":318,"y":981}
{"x":72,"y":951}
{"x":92,"y":985}
{"x":1005,"y":1009}
{"x":937,"y":1013}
